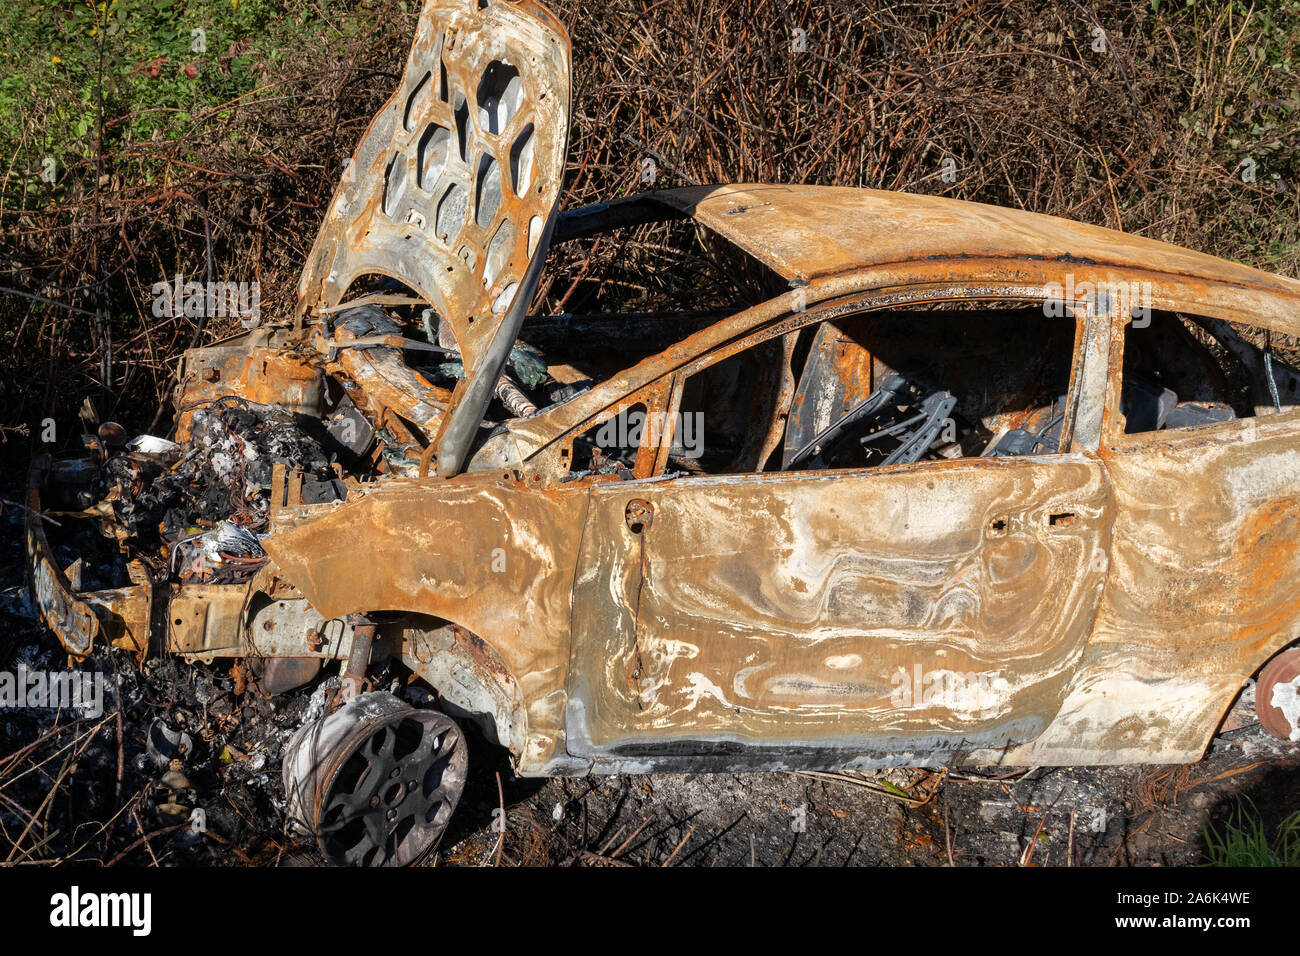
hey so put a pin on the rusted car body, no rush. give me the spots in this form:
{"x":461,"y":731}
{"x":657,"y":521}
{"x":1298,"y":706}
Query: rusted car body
{"x":1098,"y":594}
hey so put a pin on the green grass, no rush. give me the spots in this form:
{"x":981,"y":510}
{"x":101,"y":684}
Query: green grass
{"x":1243,"y":841}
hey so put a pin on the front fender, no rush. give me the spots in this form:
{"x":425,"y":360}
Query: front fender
{"x":487,"y":554}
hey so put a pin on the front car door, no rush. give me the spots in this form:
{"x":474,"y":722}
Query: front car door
{"x":907,"y":614}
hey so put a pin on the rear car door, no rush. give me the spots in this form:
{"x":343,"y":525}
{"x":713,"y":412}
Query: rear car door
{"x":1204,"y":583}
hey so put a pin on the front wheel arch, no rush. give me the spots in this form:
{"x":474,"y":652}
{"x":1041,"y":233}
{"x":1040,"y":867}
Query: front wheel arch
{"x":471,"y":678}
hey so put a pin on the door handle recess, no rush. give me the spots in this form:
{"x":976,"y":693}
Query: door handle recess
{"x":638,"y":514}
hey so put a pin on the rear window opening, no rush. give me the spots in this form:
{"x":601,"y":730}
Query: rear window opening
{"x":1185,"y":371}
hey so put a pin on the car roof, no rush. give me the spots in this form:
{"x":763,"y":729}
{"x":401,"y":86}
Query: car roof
{"x":807,"y":232}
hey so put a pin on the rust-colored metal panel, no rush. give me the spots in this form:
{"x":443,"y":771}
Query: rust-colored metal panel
{"x":1203,"y":587}
{"x":71,"y":619}
{"x":125,"y":615}
{"x":838,"y":376}
{"x":122,"y":615}
{"x":807,"y":231}
{"x":486,"y":552}
{"x":795,"y":612}
{"x":206,"y":620}
{"x":256,"y":372}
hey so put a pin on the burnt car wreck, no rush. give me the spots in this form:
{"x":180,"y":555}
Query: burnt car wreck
{"x":954,"y":497}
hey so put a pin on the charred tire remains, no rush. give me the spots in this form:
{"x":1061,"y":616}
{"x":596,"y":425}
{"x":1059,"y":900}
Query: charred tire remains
{"x":376,"y":781}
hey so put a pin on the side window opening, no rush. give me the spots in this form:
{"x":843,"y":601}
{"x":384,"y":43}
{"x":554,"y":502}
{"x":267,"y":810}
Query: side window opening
{"x":613,"y":445}
{"x":726,"y":411}
{"x":888,"y":387}
{"x":1183,"y":371}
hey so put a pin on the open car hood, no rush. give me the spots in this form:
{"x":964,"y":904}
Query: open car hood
{"x":453,"y":185}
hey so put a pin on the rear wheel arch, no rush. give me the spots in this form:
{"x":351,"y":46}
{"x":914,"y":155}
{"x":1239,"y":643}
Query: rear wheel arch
{"x":1254,"y":668}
